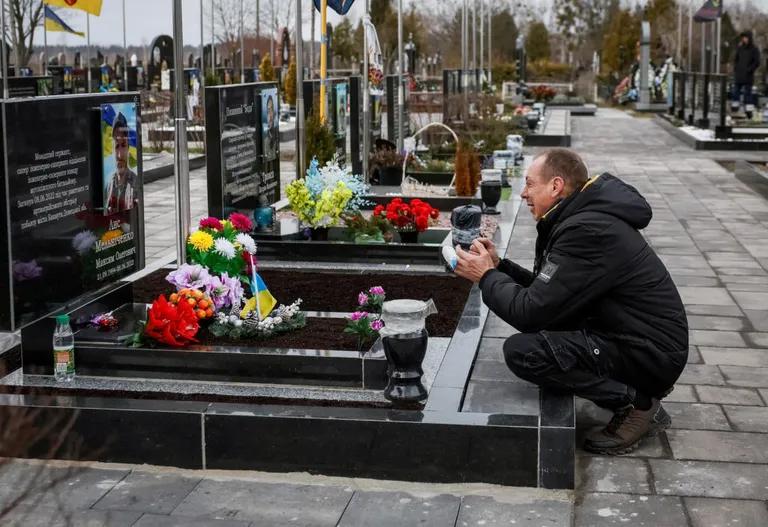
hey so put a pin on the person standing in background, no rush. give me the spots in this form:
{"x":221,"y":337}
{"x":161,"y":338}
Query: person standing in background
{"x":746,"y":61}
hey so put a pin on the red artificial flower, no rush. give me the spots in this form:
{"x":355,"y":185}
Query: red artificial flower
{"x":402,"y":222}
{"x":378,"y":210}
{"x":422,"y":223}
{"x":211,"y":223}
{"x":174,"y":325}
{"x":434,"y":214}
{"x":241,"y":222}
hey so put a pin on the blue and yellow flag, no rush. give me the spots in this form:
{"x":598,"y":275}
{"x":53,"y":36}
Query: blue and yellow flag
{"x":54,"y":23}
{"x":89,"y":6}
{"x":262,"y":300}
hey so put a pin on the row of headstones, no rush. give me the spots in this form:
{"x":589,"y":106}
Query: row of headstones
{"x":71,"y":184}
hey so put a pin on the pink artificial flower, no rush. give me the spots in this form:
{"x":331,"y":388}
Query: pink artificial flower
{"x":211,"y":223}
{"x":376,"y":325}
{"x":362,"y":299}
{"x":241,"y":222}
{"x":376,"y":290}
{"x":357,"y":315}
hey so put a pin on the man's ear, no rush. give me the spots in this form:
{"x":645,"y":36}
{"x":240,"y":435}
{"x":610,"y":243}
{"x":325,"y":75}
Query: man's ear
{"x":558,"y":185}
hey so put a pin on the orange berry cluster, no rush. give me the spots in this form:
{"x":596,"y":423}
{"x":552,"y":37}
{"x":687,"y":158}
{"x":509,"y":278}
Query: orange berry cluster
{"x":200,"y":302}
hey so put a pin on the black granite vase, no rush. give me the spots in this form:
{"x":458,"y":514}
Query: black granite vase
{"x":319,"y":234}
{"x":405,"y":353}
{"x":409,"y":236}
{"x":490,"y":192}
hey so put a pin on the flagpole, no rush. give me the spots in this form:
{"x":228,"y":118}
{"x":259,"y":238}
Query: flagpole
{"x":45,"y":41}
{"x":400,"y":94}
{"x":125,"y":51}
{"x":690,"y":38}
{"x":3,"y":57}
{"x":213,"y":42}
{"x":366,"y":94}
{"x":300,"y":148}
{"x":719,"y":49}
{"x":242,"y":46}
{"x":88,"y":52}
{"x":180,"y":154}
{"x":323,"y":57}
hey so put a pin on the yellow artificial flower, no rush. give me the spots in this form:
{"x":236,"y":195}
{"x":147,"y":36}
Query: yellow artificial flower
{"x":201,"y":240}
{"x":111,"y":235}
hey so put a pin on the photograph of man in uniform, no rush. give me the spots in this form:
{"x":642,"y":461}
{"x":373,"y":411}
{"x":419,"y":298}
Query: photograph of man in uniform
{"x":341,"y":110}
{"x":269,"y":129}
{"x":121,"y":181}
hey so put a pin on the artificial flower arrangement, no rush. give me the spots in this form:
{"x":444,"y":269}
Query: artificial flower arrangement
{"x":375,"y":77}
{"x":543,"y":92}
{"x":366,"y":321}
{"x":223,"y":246}
{"x":211,"y":291}
{"x":414,"y":216}
{"x":320,"y":198}
{"x":373,"y":229}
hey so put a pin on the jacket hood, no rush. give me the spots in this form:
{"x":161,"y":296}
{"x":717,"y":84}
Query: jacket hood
{"x":747,"y":34}
{"x":610,"y":195}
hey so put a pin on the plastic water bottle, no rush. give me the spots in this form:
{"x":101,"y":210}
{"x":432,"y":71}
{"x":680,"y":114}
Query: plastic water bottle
{"x":63,"y":350}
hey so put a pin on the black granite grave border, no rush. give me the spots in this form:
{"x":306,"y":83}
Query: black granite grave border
{"x":663,"y":120}
{"x":438,"y":443}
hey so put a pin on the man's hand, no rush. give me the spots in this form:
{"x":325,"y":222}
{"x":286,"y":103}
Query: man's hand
{"x":490,"y":247}
{"x":475,"y":263}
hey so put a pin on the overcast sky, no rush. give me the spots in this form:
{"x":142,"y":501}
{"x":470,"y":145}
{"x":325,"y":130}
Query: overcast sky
{"x":146,"y":19}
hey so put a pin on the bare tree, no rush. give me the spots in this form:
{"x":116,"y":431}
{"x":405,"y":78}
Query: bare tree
{"x":24,"y":17}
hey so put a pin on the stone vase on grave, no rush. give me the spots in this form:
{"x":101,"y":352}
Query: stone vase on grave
{"x":409,"y":236}
{"x":318,"y":234}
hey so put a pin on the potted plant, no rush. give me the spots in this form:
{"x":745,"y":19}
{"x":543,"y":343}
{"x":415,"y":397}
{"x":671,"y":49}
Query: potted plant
{"x":467,"y":170}
{"x":375,"y":229}
{"x":430,"y":171}
{"x":408,"y":219}
{"x":387,"y":164}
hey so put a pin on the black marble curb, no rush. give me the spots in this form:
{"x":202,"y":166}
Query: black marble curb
{"x":551,"y":140}
{"x":730,"y":146}
{"x":165,"y":171}
{"x":438,"y":443}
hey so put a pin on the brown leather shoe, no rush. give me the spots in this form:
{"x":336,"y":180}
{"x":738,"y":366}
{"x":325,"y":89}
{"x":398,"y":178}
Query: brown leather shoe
{"x":627,"y":428}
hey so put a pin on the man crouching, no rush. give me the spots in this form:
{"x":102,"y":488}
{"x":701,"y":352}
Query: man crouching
{"x":599,"y":315}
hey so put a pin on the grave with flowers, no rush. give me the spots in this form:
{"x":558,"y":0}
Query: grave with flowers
{"x":330,"y":215}
{"x":232,"y":360}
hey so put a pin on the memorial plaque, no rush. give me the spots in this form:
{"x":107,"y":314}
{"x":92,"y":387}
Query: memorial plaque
{"x":62,"y":242}
{"x":336,"y":96}
{"x":243,"y":147}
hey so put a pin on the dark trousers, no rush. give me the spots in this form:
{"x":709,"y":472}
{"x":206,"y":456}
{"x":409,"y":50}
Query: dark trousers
{"x":742,"y":90}
{"x":607,"y":371}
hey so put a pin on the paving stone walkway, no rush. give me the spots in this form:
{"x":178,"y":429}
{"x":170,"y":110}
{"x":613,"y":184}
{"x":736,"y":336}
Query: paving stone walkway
{"x":710,"y":469}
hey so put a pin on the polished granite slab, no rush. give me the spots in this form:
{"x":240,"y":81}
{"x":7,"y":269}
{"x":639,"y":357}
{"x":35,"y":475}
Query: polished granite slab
{"x":246,"y":392}
{"x":436,"y":442}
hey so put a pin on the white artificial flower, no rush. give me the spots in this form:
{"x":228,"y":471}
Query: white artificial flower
{"x":278,"y":320}
{"x":225,"y":248}
{"x":246,"y":242}
{"x":83,"y":241}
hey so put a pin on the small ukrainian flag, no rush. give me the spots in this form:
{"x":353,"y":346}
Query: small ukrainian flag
{"x":54,"y":23}
{"x":262,"y":300}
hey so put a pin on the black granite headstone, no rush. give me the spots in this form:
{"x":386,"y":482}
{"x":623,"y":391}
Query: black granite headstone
{"x":336,"y":94}
{"x":243,"y":146}
{"x":63,"y":244}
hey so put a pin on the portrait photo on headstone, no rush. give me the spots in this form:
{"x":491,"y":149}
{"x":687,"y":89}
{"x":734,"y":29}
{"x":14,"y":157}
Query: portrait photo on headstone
{"x":269,"y":127}
{"x":119,"y":156}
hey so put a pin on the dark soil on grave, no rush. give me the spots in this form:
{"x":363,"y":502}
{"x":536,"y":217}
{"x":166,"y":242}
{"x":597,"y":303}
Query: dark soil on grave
{"x":331,"y":291}
{"x":319,"y":333}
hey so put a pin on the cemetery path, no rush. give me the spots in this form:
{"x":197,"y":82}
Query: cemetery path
{"x":711,"y":469}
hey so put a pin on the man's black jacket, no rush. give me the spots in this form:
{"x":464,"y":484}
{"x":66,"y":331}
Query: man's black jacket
{"x":746,"y":61}
{"x":593,"y":271}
